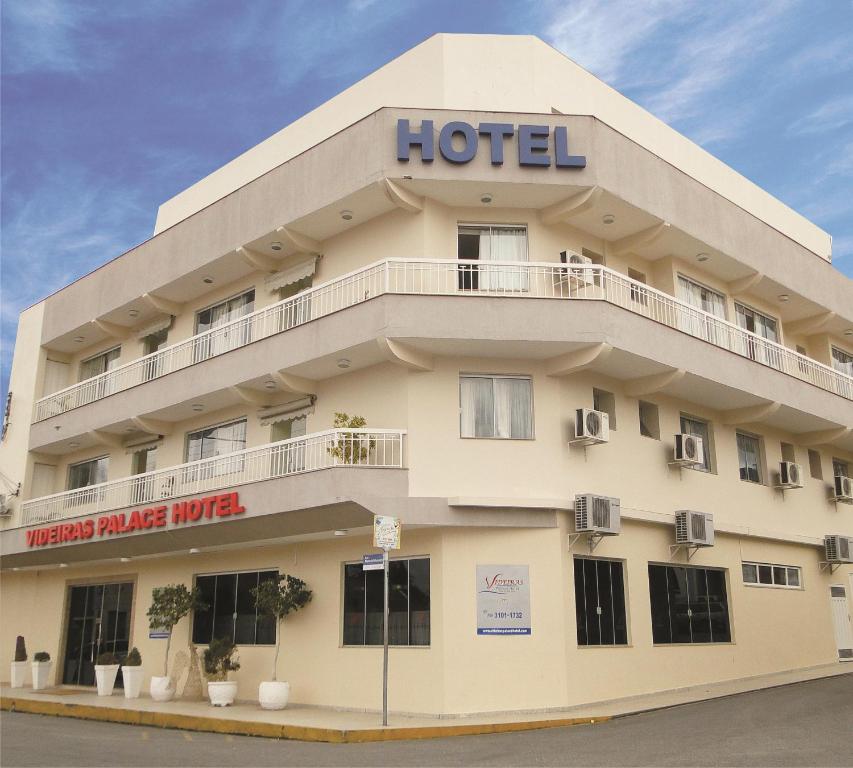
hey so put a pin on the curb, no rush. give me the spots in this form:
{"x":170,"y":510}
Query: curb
{"x":271,"y":730}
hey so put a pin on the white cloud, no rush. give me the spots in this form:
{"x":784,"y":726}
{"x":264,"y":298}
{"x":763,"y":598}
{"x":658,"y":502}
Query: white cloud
{"x":830,"y":116}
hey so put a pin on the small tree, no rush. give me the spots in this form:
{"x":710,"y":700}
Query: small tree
{"x":169,"y":605}
{"x":219,"y":659}
{"x":278,"y":599}
{"x":20,"y":649}
{"x":350,"y":449}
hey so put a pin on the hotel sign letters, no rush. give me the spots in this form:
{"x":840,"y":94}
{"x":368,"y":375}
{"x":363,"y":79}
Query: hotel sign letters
{"x":180,"y":513}
{"x":538,"y":145}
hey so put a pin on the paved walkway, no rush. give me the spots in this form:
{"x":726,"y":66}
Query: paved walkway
{"x":329,"y":725}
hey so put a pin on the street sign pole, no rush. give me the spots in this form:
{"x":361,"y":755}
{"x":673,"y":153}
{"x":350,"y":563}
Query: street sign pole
{"x":385,"y":639}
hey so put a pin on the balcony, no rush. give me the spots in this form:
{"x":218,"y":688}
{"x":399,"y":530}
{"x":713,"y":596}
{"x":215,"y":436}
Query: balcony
{"x":450,"y":278}
{"x":361,"y":448}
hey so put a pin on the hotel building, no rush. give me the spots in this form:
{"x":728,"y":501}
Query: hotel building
{"x":607,"y":384}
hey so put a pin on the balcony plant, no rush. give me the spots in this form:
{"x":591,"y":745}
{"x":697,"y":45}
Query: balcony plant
{"x":131,"y":673}
{"x":106,"y":669}
{"x":277,"y":599}
{"x":350,"y":448}
{"x":19,"y":665}
{"x":169,"y":605}
{"x":219,"y":660}
{"x":41,"y":670}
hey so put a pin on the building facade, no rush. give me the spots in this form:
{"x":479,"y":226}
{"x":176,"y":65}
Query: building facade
{"x":465,"y":249}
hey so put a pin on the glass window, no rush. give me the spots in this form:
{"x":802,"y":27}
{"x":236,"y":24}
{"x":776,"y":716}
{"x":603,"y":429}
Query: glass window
{"x":770,"y":575}
{"x":231,"y":609}
{"x":749,"y":457}
{"x":101,"y":363}
{"x":841,"y":468}
{"x":88,"y":473}
{"x":842,"y":361}
{"x":219,"y":315}
{"x":649,"y":420}
{"x":606,"y":402}
{"x":638,"y":293}
{"x":688,"y":605}
{"x":815,"y":465}
{"x":216,"y":441}
{"x":496,"y":406}
{"x":155,"y":341}
{"x":492,"y":243}
{"x":408,"y":603}
{"x":225,"y":311}
{"x":600,"y":602}
{"x":699,"y":428}
{"x":702,"y":298}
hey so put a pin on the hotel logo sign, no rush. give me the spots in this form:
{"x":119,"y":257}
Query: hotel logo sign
{"x":503,"y":600}
{"x":538,"y":146}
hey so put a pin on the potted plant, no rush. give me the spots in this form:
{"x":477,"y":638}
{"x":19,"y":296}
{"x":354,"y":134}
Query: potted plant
{"x":350,"y":448}
{"x":278,"y":599}
{"x":131,"y":673}
{"x":169,"y":605}
{"x":106,"y":669}
{"x":218,"y":662}
{"x":41,"y":670}
{"x":19,"y":665}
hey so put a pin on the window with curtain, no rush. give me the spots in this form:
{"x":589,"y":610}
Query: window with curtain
{"x":101,"y":363}
{"x":749,"y":457}
{"x":231,"y":611}
{"x":496,"y":406}
{"x":492,"y":244}
{"x":86,"y":473}
{"x":843,"y":363}
{"x":841,"y":468}
{"x":219,"y":314}
{"x":693,"y":426}
{"x":703,"y":298}
{"x":600,"y":602}
{"x":408,"y":603}
{"x":764,"y":327}
{"x":216,"y":441}
{"x":689,"y":605}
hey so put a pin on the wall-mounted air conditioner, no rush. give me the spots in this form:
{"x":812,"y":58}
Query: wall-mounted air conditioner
{"x":578,"y":275}
{"x":839,"y":549}
{"x":844,"y":489}
{"x":689,"y":450}
{"x":695,"y":529}
{"x":5,"y":509}
{"x":597,"y":514}
{"x":591,"y":427}
{"x":790,"y":475}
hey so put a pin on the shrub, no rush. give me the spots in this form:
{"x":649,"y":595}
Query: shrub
{"x":218,"y":659}
{"x":133,"y":658}
{"x":106,"y":659}
{"x":41,"y":656}
{"x":20,"y":649}
{"x":351,"y":448}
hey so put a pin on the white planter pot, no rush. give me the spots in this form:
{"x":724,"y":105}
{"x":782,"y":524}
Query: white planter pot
{"x":222,"y":694}
{"x":41,"y":673}
{"x":19,"y":674}
{"x":105,"y":677}
{"x":273,"y":695}
{"x":161,"y":689}
{"x":132,"y":677}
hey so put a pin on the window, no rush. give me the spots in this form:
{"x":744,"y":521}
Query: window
{"x":840,"y":467}
{"x":152,"y":343}
{"x":769,"y":575}
{"x":762,"y":326}
{"x":749,"y":457}
{"x":606,"y":402}
{"x":144,"y":460}
{"x":815,"y":465}
{"x":408,"y":603}
{"x":87,"y":473}
{"x":638,"y":294}
{"x":788,"y":452}
{"x":842,"y":361}
{"x":216,"y":441}
{"x":492,"y":243}
{"x":496,"y":406}
{"x":649,"y":420}
{"x":220,"y":314}
{"x":100,"y":363}
{"x":689,"y":605}
{"x":231,"y":611}
{"x":600,"y":602}
{"x":702,"y":298}
{"x":699,"y":428}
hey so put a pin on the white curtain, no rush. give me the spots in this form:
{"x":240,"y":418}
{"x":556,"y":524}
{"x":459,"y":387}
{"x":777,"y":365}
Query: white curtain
{"x":495,"y":406}
{"x":478,"y":407}
{"x":498,"y":244}
{"x":703,"y":298}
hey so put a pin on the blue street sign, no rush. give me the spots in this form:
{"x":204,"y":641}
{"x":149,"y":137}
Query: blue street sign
{"x":371,"y":562}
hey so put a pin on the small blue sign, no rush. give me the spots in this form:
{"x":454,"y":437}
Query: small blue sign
{"x":158,"y":634}
{"x":372,"y":562}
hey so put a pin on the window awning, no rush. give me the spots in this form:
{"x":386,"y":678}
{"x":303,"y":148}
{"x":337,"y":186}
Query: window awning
{"x":293,"y":274}
{"x":295,"y":409}
{"x":158,"y":325}
{"x":145,"y":445}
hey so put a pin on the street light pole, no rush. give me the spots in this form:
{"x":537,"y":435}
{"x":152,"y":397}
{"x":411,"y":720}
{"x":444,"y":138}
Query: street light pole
{"x":385,"y":639}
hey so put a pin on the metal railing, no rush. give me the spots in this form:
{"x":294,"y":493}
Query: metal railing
{"x":450,"y":278}
{"x":375,"y":448}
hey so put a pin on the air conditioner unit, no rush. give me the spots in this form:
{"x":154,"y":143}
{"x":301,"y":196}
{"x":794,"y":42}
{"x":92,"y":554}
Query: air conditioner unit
{"x":580,"y":276}
{"x":5,"y":509}
{"x":695,"y":529}
{"x":689,"y":450}
{"x":790,"y":475}
{"x":839,"y":549}
{"x":844,"y":489}
{"x":597,"y":514}
{"x":591,"y":427}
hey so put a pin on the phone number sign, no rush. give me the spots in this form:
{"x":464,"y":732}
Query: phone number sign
{"x":503,"y":600}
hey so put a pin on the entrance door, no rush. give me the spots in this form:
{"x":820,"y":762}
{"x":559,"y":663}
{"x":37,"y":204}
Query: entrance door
{"x":841,"y":620}
{"x":98,"y":621}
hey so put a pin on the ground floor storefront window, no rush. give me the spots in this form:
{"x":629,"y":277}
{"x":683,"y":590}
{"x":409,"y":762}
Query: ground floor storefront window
{"x":689,"y":605}
{"x":600,"y":602}
{"x":408,"y":603}
{"x":231,"y":611}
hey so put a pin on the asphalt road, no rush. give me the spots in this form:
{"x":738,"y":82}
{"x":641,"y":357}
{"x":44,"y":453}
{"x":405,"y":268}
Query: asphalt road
{"x":805,"y":724}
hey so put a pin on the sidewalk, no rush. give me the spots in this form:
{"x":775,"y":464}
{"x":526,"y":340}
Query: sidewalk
{"x":308,"y":723}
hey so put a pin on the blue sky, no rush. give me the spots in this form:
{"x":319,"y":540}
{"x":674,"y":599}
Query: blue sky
{"x":110,"y":108}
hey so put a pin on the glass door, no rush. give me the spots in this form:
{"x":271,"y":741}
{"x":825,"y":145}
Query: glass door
{"x":98,"y":621}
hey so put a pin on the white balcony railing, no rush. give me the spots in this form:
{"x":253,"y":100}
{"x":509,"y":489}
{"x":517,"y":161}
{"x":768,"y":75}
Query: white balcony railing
{"x":450,"y":278}
{"x":377,"y":448}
